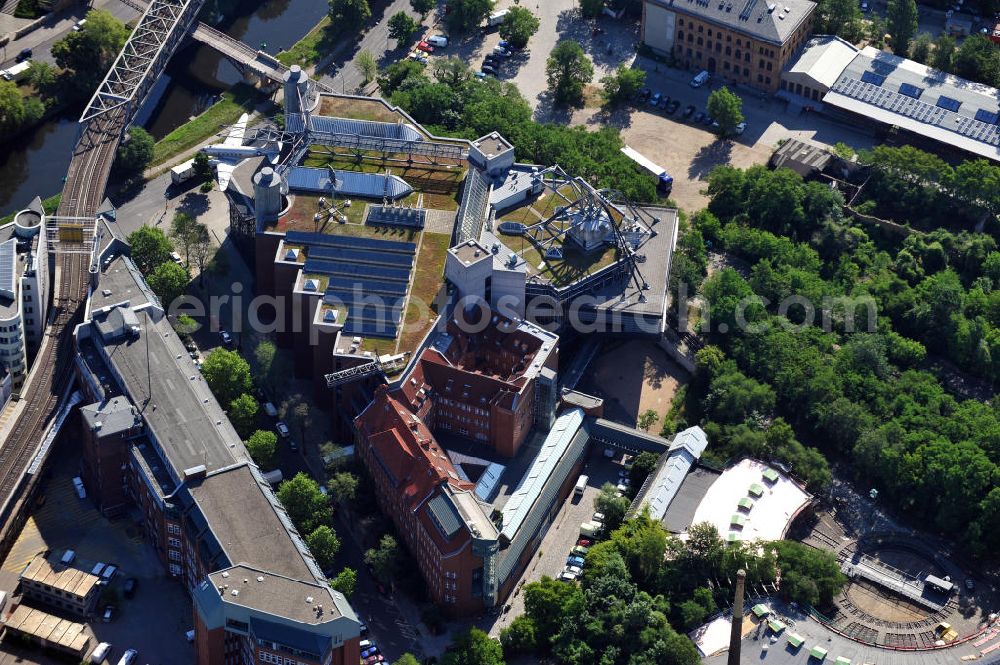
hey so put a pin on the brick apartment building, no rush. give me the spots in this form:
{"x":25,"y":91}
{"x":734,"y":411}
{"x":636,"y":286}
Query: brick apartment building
{"x":156,"y":441}
{"x":746,"y":42}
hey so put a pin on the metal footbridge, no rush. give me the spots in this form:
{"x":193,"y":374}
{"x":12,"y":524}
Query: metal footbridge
{"x":70,"y":235}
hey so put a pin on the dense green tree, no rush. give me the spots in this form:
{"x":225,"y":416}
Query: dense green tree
{"x":613,"y":506}
{"x":135,"y":154}
{"x":467,"y":15}
{"x":808,"y":576}
{"x":474,"y":647}
{"x":367,"y":65}
{"x":263,"y":447}
{"x":42,"y":76}
{"x":324,"y":545}
{"x":452,"y":72}
{"x":305,"y":504}
{"x":643,"y":464}
{"x":12,"y":112}
{"x":920,"y":49}
{"x":89,"y":52}
{"x":423,"y":7}
{"x":149,"y":247}
{"x":591,"y":8}
{"x":343,"y":487}
{"x":901,"y":19}
{"x":395,"y":75}
{"x":726,"y":108}
{"x":520,"y":637}
{"x":184,"y":232}
{"x":839,"y":17}
{"x":568,"y":69}
{"x":227,"y":374}
{"x":623,"y":85}
{"x":243,"y":414}
{"x":978,"y":59}
{"x":402,"y":26}
{"x":518,"y":26}
{"x":202,"y":167}
{"x":354,"y":13}
{"x":384,"y":561}
{"x":944,"y":52}
{"x":346,"y":582}
{"x":407,"y":659}
{"x":544,"y":602}
{"x":169,"y":282}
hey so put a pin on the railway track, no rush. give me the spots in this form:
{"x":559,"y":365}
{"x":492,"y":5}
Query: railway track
{"x":52,"y":371}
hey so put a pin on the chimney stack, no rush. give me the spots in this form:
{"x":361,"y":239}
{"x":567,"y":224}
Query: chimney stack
{"x":736,"y":632}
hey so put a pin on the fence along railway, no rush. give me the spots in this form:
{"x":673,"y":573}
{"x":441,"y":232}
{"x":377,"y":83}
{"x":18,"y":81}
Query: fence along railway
{"x":162,"y":27}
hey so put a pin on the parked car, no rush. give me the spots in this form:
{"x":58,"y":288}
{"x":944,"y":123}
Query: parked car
{"x":419,"y":57}
{"x":575,"y":561}
{"x":598,"y":517}
{"x":653,"y":101}
{"x":227,"y":339}
{"x":664,"y":103}
{"x":503,"y":43}
{"x":740,"y":128}
{"x":491,"y":60}
{"x":488,"y":69}
{"x":698,"y":117}
{"x":707,"y":120}
{"x":283,"y":429}
{"x":109,"y":613}
{"x":363,"y":627}
{"x":580,"y":550}
{"x":437,"y":41}
{"x":502,"y":52}
{"x":25,"y":54}
{"x":700,"y":79}
{"x":176,"y":258}
{"x":672,"y":108}
{"x":129,"y":657}
{"x":370,"y":651}
{"x":129,"y":587}
{"x":584,"y":542}
{"x":576,"y":570}
{"x":970,"y":584}
{"x":644,"y":94}
{"x":270,"y":409}
{"x":688,"y":110}
{"x":78,"y":26}
{"x":78,"y":486}
{"x":622,"y":488}
{"x":425,"y":47}
{"x":566,"y":576}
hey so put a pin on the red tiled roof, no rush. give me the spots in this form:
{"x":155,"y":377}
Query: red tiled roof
{"x":406,"y":448}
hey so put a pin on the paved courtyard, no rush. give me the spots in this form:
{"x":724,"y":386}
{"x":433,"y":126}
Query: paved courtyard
{"x":154,"y":621}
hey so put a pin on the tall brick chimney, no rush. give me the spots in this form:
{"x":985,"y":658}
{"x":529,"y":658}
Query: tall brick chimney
{"x":736,"y":631}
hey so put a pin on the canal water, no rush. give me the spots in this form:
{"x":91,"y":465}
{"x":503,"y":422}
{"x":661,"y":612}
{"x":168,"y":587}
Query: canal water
{"x":194,"y":77}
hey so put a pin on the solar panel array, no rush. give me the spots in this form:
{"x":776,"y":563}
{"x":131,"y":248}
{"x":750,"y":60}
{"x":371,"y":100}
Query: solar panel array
{"x":410,"y":218}
{"x":920,"y":111}
{"x":367,"y":275}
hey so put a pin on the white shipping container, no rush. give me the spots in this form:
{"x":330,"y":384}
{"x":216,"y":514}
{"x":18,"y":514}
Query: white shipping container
{"x":182,"y":172}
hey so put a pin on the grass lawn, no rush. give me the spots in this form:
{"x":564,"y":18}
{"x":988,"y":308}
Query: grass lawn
{"x":358,"y":109}
{"x":427,"y":281}
{"x":300,"y":218}
{"x":50,"y":205}
{"x":308,"y":50}
{"x":236,"y":101}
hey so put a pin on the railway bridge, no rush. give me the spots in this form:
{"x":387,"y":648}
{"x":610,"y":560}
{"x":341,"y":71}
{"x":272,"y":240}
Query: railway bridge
{"x":70,"y":236}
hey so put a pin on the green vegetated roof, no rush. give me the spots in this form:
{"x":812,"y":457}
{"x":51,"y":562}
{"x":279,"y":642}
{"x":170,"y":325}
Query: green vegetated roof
{"x":756,"y":490}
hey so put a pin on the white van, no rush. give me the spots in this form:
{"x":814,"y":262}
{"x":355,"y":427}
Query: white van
{"x":437,"y":41}
{"x":700,"y":79}
{"x":68,"y":556}
{"x":78,"y":486}
{"x":497,"y":18}
{"x":100,"y":653}
{"x":589,"y":529}
{"x":581,"y":484}
{"x":128,"y":657}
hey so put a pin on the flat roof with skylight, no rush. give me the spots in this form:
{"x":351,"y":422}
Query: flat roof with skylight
{"x":922,"y":100}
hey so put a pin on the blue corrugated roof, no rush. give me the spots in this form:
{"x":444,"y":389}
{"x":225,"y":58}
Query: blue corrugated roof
{"x":370,"y":128}
{"x":661,"y":489}
{"x":556,"y":443}
{"x":488,"y":481}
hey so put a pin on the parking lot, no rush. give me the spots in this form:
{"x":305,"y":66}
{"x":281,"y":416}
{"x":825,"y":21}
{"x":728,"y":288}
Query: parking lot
{"x":154,"y":621}
{"x":563,"y":533}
